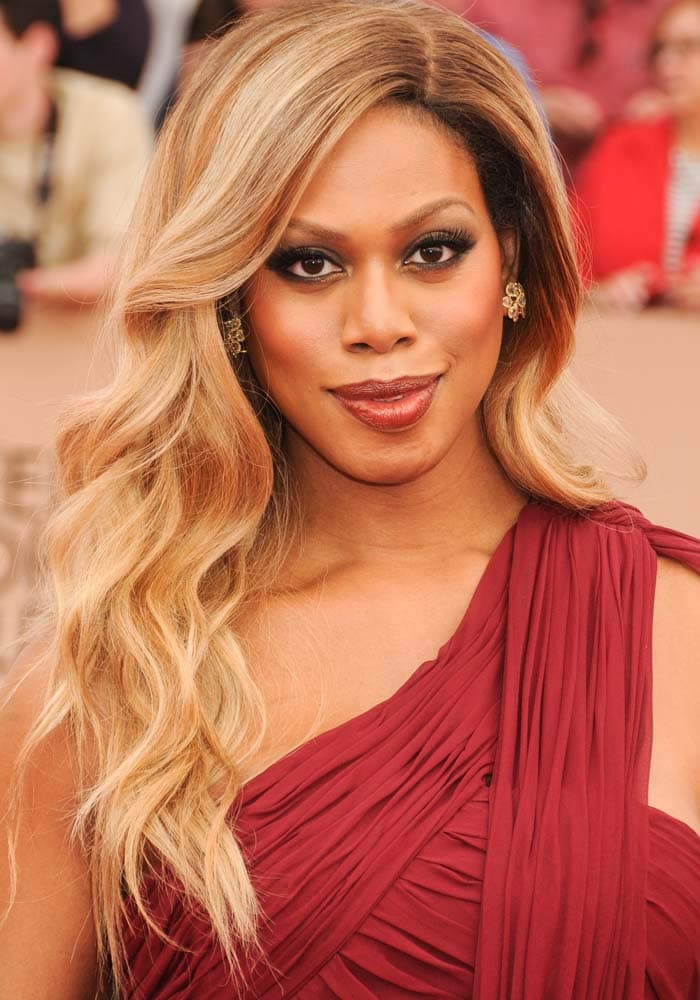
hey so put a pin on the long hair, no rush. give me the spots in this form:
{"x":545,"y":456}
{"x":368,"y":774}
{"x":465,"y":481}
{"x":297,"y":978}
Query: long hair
{"x":175,"y":509}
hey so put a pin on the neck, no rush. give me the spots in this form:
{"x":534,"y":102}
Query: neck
{"x":688,"y":132}
{"x":26,"y":114}
{"x":465,"y":503}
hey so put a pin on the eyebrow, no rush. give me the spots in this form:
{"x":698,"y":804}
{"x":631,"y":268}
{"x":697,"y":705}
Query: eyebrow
{"x":416,"y":217}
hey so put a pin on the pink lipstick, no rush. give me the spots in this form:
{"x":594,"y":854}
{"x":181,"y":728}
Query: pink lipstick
{"x":389,"y":406}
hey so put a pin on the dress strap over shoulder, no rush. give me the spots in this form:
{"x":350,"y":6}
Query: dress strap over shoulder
{"x":665,"y":541}
{"x":568,"y":831}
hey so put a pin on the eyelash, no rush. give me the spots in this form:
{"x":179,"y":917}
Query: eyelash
{"x":457,"y":240}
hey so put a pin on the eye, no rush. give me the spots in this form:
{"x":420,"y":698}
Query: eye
{"x":302,"y":263}
{"x":440,"y":249}
{"x":313,"y":265}
{"x":433,"y":254}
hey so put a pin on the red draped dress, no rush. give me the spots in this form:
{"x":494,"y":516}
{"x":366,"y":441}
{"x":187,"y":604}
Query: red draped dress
{"x":484,"y":832}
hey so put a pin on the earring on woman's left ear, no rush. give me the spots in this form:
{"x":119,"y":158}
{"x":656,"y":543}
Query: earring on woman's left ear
{"x":232,"y":331}
{"x":514,"y":301}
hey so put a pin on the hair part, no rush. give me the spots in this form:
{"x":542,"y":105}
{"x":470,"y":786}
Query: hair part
{"x":176,"y":508}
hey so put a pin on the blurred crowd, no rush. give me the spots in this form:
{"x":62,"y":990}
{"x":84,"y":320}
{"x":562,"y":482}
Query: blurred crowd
{"x":86,"y":84}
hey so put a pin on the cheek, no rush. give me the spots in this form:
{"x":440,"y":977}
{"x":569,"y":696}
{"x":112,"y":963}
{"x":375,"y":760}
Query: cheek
{"x":286,"y":338}
{"x":469,"y":321}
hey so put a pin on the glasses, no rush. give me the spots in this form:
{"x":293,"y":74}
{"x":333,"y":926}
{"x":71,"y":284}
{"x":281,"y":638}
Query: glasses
{"x":682,"y":47}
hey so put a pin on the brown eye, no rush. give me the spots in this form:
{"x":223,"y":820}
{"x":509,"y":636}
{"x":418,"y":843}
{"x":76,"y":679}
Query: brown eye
{"x":434,"y":253}
{"x":431,"y":255}
{"x":313,"y":264}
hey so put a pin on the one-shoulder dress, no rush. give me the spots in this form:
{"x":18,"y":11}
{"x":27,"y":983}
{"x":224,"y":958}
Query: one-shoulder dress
{"x":483,"y":833}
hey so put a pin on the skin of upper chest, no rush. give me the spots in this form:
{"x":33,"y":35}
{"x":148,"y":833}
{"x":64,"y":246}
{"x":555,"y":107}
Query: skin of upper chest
{"x":329,"y":653}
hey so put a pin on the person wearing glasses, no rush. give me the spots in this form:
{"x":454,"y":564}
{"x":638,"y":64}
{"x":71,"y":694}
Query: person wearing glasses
{"x":638,"y":191}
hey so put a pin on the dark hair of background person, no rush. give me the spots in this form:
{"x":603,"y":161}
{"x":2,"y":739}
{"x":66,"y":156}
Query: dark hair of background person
{"x":213,"y":17}
{"x":118,"y":51}
{"x":20,"y":14}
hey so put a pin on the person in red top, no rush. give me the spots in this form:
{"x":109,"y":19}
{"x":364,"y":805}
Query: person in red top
{"x":638,"y":191}
{"x":586,"y":56}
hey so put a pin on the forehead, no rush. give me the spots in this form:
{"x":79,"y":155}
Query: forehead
{"x":388,"y":164}
{"x":680,"y":21}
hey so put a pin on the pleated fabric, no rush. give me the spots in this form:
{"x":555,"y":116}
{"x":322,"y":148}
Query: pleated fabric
{"x":484,"y":833}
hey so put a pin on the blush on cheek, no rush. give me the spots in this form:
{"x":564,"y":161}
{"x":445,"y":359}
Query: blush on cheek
{"x":472,"y":325}
{"x":285,"y":341}
{"x":270,"y":344}
{"x":286,"y":365}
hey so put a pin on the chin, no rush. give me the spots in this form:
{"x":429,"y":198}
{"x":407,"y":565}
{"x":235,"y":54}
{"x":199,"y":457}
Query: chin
{"x":389,"y":478}
{"x":386,"y":470}
{"x":391,"y":460}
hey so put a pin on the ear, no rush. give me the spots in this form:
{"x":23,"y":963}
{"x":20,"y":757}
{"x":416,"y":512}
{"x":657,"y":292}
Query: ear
{"x":41,"y":41}
{"x":510,"y":254}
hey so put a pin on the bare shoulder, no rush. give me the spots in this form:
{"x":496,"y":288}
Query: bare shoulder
{"x":47,"y":944}
{"x":22,"y":692}
{"x":675,"y":773}
{"x":677,"y":623}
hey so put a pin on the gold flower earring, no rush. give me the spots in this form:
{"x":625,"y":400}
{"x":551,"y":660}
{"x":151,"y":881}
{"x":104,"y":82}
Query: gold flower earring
{"x":514,"y":301}
{"x":232,"y":331}
{"x":234,"y":337}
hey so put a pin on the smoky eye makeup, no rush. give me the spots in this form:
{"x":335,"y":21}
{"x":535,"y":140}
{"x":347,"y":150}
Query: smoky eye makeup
{"x":459,"y":241}
{"x":284,"y":257}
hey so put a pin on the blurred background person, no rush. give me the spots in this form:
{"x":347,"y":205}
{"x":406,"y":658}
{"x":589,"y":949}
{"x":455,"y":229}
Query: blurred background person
{"x":639,"y":188}
{"x":587,"y":57}
{"x":72,"y":150}
{"x":170,"y":24}
{"x":108,"y":38}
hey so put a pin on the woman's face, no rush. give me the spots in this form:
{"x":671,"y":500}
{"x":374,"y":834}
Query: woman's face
{"x":376,"y":325}
{"x":675,"y":58}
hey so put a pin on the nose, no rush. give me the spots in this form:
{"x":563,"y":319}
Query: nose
{"x":377,"y":318}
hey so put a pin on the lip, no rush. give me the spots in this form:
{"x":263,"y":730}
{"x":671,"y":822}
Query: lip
{"x":376,"y":389}
{"x":389,"y":406}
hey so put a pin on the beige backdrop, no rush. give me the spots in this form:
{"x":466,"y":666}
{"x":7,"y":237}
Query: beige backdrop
{"x":644,"y":369}
{"x":52,"y":356}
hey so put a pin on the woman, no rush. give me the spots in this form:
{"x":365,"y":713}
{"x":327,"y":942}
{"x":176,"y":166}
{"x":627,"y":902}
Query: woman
{"x":339,"y":420}
{"x":640,"y":187}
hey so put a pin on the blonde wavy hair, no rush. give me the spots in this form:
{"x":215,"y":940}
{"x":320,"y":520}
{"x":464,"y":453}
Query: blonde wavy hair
{"x":174,"y":506}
